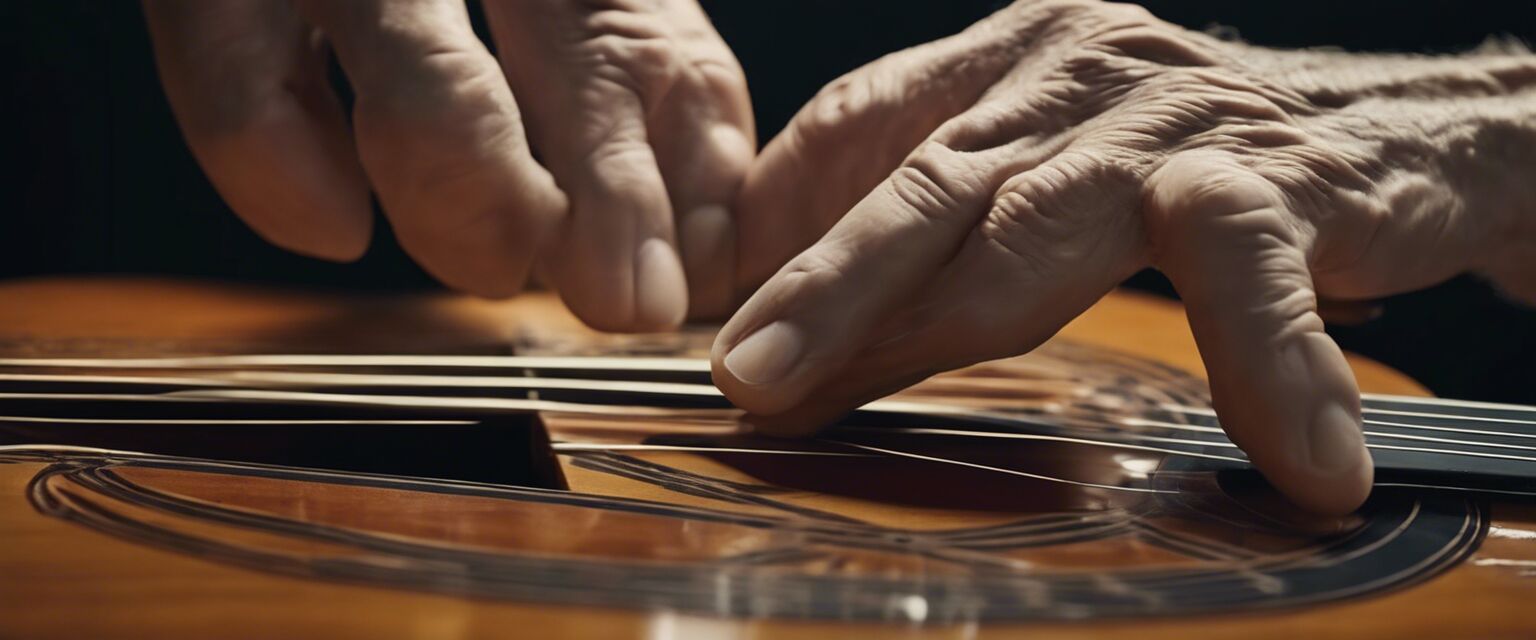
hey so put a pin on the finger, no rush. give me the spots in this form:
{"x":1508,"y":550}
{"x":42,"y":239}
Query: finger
{"x":703,"y":135}
{"x":249,"y":89}
{"x":852,"y":135}
{"x":1282,"y":389}
{"x":616,"y":264}
{"x":442,"y":140}
{"x":1056,"y":238}
{"x":807,"y":320}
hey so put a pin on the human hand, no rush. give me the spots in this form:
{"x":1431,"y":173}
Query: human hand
{"x":628,"y":137}
{"x":989,"y":187}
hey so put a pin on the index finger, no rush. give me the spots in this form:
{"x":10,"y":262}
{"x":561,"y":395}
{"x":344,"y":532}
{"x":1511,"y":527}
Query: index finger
{"x":799,"y":327}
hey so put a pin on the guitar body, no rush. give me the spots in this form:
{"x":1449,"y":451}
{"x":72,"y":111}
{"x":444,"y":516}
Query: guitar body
{"x":672,"y":524}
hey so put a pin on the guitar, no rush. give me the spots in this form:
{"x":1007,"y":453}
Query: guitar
{"x":197,"y":460}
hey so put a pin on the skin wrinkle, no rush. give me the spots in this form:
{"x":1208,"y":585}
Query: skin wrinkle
{"x":441,"y":138}
{"x":645,"y":68}
{"x":1254,"y":198}
{"x":657,"y":79}
{"x":953,"y":72}
{"x":618,"y":138}
{"x":1337,"y":80}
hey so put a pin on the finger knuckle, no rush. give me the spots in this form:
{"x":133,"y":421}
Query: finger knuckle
{"x":1240,"y":137}
{"x":999,"y":124}
{"x":1039,"y":16}
{"x":1145,"y":39}
{"x":1017,"y":228}
{"x":619,"y":150}
{"x":935,"y":182}
{"x":1283,"y":296}
{"x":716,"y":76}
{"x":846,"y":107}
{"x":818,"y":269}
{"x":1053,"y":215}
{"x":443,"y":84}
{"x":646,"y":66}
{"x":1210,"y":208}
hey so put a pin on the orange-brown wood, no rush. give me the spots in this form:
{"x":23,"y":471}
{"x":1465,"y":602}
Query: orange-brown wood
{"x":59,"y":579}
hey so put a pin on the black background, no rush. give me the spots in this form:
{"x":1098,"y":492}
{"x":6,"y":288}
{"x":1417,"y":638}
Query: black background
{"x":98,"y":180}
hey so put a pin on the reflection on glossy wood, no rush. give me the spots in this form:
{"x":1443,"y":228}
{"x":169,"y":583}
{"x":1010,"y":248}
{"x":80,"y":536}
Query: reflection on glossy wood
{"x":58,"y":570}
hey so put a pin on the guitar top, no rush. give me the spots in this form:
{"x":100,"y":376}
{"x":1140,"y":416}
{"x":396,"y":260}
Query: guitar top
{"x":518,"y":475}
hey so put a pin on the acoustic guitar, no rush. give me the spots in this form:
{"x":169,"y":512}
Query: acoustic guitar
{"x":186,"y":459}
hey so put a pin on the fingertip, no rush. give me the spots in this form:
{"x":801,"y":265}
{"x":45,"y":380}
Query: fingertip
{"x":340,"y":232}
{"x":1331,"y":495}
{"x":1332,"y":471}
{"x":703,"y":167}
{"x":767,"y":355}
{"x":642,"y":289}
{"x":1307,"y":437}
{"x":756,"y":371}
{"x":328,"y":248}
{"x":325,"y":224}
{"x":707,"y":238}
{"x":291,"y":176}
{"x":1338,"y":460}
{"x":661,"y":288}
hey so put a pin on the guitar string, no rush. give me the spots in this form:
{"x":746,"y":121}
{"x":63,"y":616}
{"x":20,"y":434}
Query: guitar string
{"x":1145,"y":422}
{"x":1015,"y":472}
{"x":644,"y":387}
{"x":1229,"y":445}
{"x":233,"y":421}
{"x":1166,"y":425}
{"x":547,"y":405}
{"x":1447,"y":402}
{"x":582,"y":363}
{"x":1047,"y":438}
{"x":577,"y":447}
{"x":1415,"y":485}
{"x":597,"y":446}
{"x":1098,"y":443}
{"x":1211,"y":413}
{"x":525,"y":406}
{"x":584,"y":447}
{"x":654,"y":388}
{"x":577,"y":363}
{"x":604,"y":447}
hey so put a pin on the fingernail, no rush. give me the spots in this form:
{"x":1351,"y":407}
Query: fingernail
{"x":704,"y":234}
{"x":661,"y":291}
{"x":767,"y":355}
{"x":1335,"y":442}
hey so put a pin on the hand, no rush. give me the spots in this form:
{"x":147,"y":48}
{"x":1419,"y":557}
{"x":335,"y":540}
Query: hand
{"x":989,"y":187}
{"x":637,"y":123}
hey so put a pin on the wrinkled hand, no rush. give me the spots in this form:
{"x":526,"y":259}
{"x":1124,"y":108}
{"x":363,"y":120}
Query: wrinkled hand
{"x":989,"y":187}
{"x":631,"y":119}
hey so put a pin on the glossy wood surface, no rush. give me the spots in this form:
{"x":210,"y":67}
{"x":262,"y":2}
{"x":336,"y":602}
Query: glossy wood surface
{"x":61,"y":580}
